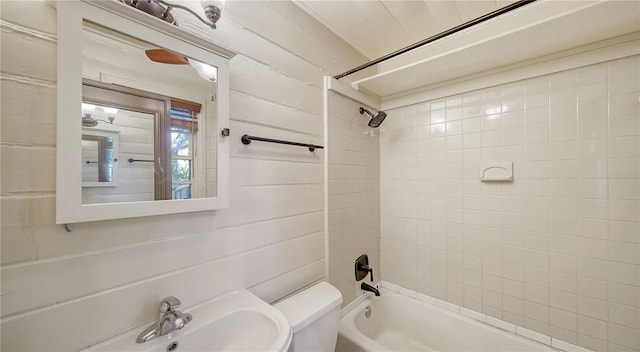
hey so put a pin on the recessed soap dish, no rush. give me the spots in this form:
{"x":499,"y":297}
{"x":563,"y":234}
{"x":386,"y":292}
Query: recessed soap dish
{"x":496,"y":172}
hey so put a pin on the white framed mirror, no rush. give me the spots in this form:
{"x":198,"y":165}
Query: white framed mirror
{"x":139,"y":133}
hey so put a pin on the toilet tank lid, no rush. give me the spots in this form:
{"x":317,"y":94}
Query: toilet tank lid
{"x":306,"y":306}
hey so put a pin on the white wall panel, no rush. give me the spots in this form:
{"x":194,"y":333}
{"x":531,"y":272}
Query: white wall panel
{"x":353,"y":191}
{"x":250,"y":44}
{"x":253,"y":78}
{"x":255,"y":111}
{"x":67,"y":278}
{"x":20,"y":167}
{"x":78,"y":288}
{"x":283,"y":23}
{"x":290,"y":281}
{"x":121,"y":307}
{"x":23,"y":122}
{"x":30,"y":15}
{"x":250,"y":206}
{"x":14,"y":61}
{"x":267,"y":172}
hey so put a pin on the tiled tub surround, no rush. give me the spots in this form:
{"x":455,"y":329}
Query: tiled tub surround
{"x":353,"y":190}
{"x":349,"y":326}
{"x":555,"y":251}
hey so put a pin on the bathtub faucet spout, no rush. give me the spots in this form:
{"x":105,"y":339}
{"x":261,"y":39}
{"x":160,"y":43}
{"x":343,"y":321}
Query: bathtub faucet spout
{"x":365,"y":286}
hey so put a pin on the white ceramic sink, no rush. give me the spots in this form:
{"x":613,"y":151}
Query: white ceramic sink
{"x":236,"y":321}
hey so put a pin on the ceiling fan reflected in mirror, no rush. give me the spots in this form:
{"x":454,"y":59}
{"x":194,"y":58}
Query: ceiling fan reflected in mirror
{"x":166,"y":57}
{"x":207,"y":72}
{"x":162,"y":56}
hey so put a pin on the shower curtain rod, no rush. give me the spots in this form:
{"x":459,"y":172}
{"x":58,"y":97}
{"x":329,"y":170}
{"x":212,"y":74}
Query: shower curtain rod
{"x":440,"y":35}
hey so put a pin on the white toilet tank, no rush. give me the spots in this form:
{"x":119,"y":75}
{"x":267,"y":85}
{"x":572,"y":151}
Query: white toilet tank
{"x":313,"y":314}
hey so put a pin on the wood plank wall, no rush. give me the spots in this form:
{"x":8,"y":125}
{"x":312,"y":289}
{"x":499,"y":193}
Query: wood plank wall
{"x":66,"y":291}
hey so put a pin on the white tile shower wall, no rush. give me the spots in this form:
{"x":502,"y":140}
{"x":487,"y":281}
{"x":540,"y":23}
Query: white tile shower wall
{"x":354,"y":181}
{"x":557,"y":250}
{"x":78,"y":288}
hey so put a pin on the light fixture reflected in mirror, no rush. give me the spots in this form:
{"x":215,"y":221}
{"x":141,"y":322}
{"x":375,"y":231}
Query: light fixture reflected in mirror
{"x":205,"y":71}
{"x":213,"y":10}
{"x":88,"y":121}
{"x":162,"y":9}
{"x":89,"y":109}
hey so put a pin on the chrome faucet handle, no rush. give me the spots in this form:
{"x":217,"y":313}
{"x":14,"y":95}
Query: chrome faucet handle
{"x":169,"y":320}
{"x":169,"y":304}
{"x":182,"y":319}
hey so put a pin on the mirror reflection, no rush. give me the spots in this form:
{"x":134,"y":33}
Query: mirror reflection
{"x":99,"y":155}
{"x":149,"y":126}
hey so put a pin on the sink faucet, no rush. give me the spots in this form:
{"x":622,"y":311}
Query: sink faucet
{"x":365,"y":286}
{"x":170,"y":319}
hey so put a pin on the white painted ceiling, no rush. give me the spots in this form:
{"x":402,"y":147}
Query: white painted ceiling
{"x":379,"y":27}
{"x":543,"y":28}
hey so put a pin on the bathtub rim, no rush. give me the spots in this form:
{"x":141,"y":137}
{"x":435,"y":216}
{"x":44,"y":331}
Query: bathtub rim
{"x":447,"y":308}
{"x":347,"y":328}
{"x":360,"y":339}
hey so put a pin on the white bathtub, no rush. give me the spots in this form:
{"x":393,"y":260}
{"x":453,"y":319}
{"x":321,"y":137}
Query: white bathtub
{"x":400,"y":323}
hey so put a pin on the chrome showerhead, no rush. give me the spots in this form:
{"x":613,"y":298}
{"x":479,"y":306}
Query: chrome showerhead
{"x":376,"y":119}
